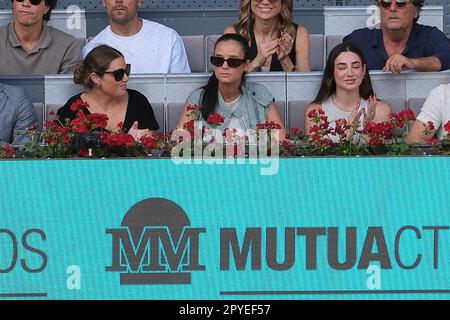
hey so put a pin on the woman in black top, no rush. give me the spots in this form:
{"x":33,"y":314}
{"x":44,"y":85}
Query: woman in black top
{"x":276,"y":43}
{"x":105,"y":75}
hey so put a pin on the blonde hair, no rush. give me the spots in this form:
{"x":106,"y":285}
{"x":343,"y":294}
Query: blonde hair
{"x":247,"y":19}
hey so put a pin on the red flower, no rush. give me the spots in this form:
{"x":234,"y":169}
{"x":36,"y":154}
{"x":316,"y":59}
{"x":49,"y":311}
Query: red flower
{"x":7,"y":151}
{"x":192,"y":107}
{"x":407,"y":114}
{"x":430,"y":125}
{"x":316,"y":113}
{"x":447,"y":126}
{"x":215,"y":119}
{"x":154,"y":141}
{"x":376,"y":141}
{"x":148,"y":141}
{"x":295,"y":131}
{"x":78,"y":105}
{"x":288,"y":146}
{"x":190,"y":126}
{"x":79,"y":123}
{"x":396,"y":120}
{"x":341,"y":128}
{"x":119,"y":139}
{"x":433,"y":142}
{"x":327,"y":141}
{"x":83,"y":153}
{"x":268,"y":125}
{"x":55,"y":133}
{"x":378,"y":133}
{"x":400,"y":119}
{"x":97,"y":121}
{"x":32,"y":127}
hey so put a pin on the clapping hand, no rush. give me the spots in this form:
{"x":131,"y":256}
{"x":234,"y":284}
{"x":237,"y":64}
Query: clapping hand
{"x":138,"y":133}
{"x":354,"y":119}
{"x":266,"y":50}
{"x":371,"y":110}
{"x":355,"y":115}
{"x":285,"y":45}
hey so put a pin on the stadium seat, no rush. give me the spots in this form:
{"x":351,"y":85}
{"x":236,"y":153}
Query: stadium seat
{"x":210,"y":42}
{"x":158,"y":110}
{"x":34,"y":85}
{"x":49,"y":108}
{"x":174,"y":111}
{"x":331,"y":42}
{"x":39,"y":109}
{"x":397,"y":104}
{"x":195,"y":50}
{"x":415,"y":104}
{"x":316,"y":52}
{"x":296,"y":114}
{"x":281,"y":108}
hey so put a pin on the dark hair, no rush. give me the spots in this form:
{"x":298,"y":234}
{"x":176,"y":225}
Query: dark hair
{"x":98,"y":60}
{"x":210,"y":94}
{"x":328,"y":86}
{"x":51,"y":4}
{"x":418,"y":4}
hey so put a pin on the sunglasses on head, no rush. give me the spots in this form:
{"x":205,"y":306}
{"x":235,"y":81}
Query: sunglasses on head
{"x":232,"y":62}
{"x":387,"y":3}
{"x":33,"y":2}
{"x":119,"y":73}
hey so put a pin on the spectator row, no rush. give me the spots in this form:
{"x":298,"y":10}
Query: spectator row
{"x":292,"y":92}
{"x":199,"y":48}
{"x":329,"y":20}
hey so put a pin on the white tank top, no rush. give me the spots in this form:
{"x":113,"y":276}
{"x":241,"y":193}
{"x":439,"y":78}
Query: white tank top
{"x":333,"y":112}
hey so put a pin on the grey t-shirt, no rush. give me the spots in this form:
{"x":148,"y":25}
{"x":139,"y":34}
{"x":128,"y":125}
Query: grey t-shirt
{"x":55,"y":52}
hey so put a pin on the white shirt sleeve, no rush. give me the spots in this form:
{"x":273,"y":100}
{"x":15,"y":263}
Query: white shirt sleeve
{"x":432,"y":108}
{"x":88,"y":48}
{"x":178,"y":59}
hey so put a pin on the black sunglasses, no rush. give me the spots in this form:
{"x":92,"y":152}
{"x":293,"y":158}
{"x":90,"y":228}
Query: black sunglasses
{"x":119,"y":73}
{"x":387,"y":3}
{"x":33,"y":2}
{"x":232,"y":62}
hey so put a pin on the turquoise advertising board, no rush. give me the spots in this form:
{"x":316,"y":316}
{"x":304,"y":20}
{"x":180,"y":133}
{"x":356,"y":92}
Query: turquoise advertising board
{"x":317,"y":228}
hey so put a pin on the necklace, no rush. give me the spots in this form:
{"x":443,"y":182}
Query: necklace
{"x":333,"y":98}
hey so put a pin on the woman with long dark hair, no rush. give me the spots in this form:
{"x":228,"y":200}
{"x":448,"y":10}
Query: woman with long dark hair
{"x":276,"y":43}
{"x":242,"y":104}
{"x":346,"y":91}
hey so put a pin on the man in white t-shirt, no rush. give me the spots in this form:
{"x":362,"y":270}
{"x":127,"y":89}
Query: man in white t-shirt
{"x":148,"y":46}
{"x":435,"y":109}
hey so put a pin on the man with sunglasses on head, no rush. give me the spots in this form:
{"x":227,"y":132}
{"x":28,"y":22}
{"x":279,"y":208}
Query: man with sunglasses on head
{"x":401,"y":43}
{"x":29,"y":46}
{"x":148,"y":46}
